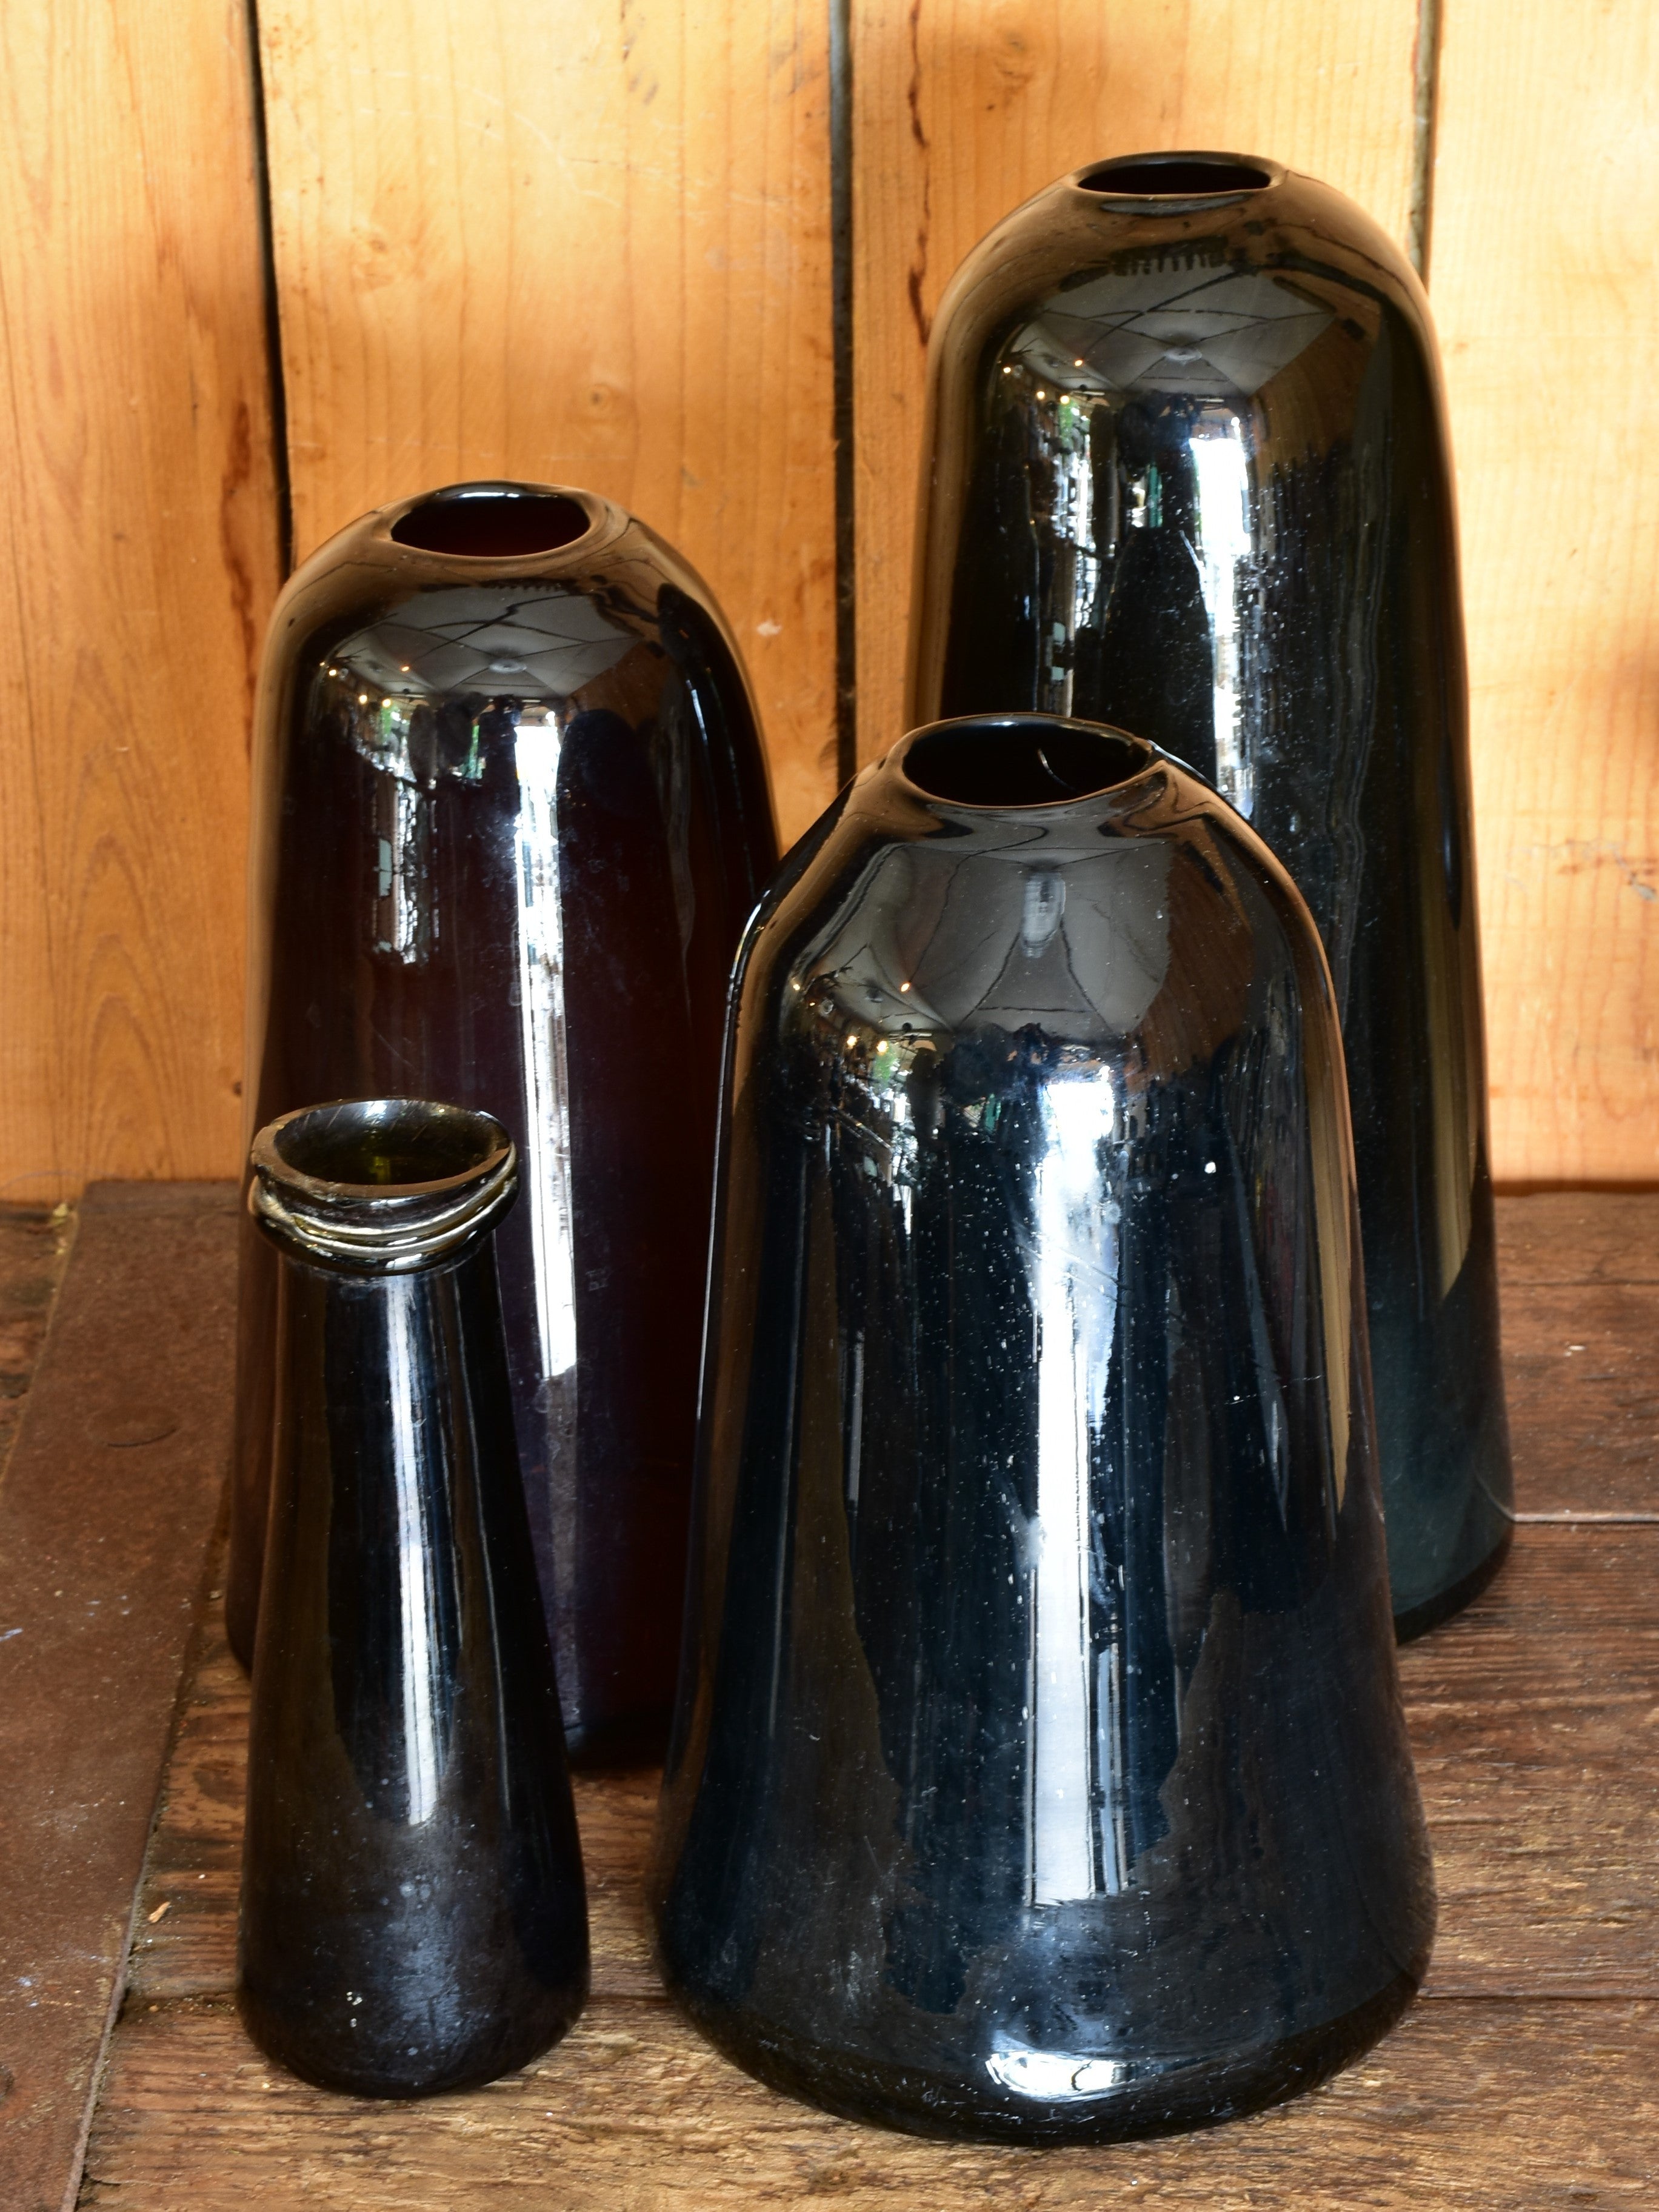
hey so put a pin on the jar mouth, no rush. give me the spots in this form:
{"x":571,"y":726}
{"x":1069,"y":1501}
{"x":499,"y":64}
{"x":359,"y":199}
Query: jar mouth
{"x":1179,"y":178}
{"x":1020,"y":760}
{"x":381,"y":1185}
{"x":366,"y":1147}
{"x":493,"y":521}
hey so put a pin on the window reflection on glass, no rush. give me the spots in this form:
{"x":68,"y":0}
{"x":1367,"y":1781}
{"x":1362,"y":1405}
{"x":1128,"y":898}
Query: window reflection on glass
{"x":403,"y":858}
{"x":1077,"y":564}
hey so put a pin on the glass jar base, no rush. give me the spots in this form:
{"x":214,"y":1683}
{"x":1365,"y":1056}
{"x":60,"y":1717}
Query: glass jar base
{"x":1171,"y":2101}
{"x":631,"y":1740}
{"x":1418,"y":1620}
{"x":382,"y":2075}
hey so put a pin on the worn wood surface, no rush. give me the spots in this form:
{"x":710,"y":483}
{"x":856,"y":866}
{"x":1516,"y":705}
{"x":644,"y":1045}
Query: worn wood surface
{"x":108,"y":1500}
{"x":138,"y":541}
{"x":1569,"y":1236}
{"x":1528,"y":2107}
{"x":1584,"y":1397}
{"x":1581,"y":1322}
{"x":1525,"y":2077}
{"x":34,"y":1243}
{"x":530,"y":238}
{"x":1546,"y":290}
{"x":963,"y":109}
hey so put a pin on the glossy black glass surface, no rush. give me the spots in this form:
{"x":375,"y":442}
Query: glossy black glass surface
{"x":1186,"y":471}
{"x":413,"y":1916}
{"x":1039,"y":1770}
{"x":510,"y":815}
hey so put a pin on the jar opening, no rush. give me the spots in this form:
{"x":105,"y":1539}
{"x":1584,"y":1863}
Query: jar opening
{"x":1183,"y":176}
{"x":386,"y":1143}
{"x":1021,"y":760}
{"x":492,"y":526}
{"x":382,"y":1186}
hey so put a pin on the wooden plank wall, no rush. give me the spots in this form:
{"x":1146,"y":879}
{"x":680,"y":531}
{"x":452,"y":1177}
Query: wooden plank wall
{"x":138,"y":518}
{"x":1546,"y":287}
{"x":530,"y":237}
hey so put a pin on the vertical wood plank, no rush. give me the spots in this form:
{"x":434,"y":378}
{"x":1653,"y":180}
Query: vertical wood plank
{"x":963,"y":108}
{"x":140,"y":556}
{"x":530,"y":237}
{"x":1546,"y":290}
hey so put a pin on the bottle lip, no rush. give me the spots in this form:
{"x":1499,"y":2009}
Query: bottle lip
{"x":448,"y":505}
{"x":998,"y":764}
{"x":1238,"y":176}
{"x":382,"y":1186}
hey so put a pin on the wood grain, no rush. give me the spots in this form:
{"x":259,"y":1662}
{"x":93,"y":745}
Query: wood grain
{"x":1580,"y":1272}
{"x":1564,"y":1236}
{"x":1584,"y":1398}
{"x":530,"y":238}
{"x":526,"y":236}
{"x":1530,"y":2107}
{"x":138,"y":532}
{"x":964,"y":109}
{"x":1547,"y":295}
{"x":107,"y":1507}
{"x":1534,"y":1724}
{"x":33,"y":1242}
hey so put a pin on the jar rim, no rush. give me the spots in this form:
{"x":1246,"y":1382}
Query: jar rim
{"x":382,"y":1186}
{"x":999,"y":763}
{"x":1176,"y":182}
{"x":496,"y":522}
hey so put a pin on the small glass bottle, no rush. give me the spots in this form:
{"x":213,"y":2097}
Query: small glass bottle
{"x":413,"y":1915}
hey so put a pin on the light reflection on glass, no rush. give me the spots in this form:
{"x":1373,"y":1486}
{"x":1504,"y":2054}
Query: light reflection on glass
{"x":418,"y":1596}
{"x":1053,"y":2074}
{"x":1074,"y":1296}
{"x":1221,"y":479}
{"x":540,"y":1010}
{"x":1064,"y":954}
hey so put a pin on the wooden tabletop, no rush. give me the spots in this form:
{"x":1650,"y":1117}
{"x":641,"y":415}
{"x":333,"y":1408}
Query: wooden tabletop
{"x":1527,"y":2074}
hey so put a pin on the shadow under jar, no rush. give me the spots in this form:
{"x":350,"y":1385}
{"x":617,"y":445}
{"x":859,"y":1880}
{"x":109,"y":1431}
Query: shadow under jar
{"x":509,"y":816}
{"x":413,"y":1914}
{"x":1039,"y":1772}
{"x":1186,"y":468}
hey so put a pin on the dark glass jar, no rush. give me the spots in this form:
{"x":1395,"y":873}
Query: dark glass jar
{"x":1186,"y":470}
{"x":1039,"y":1772}
{"x":413,"y":1914}
{"x":509,"y":816}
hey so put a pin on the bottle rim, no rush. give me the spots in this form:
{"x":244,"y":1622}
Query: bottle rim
{"x":493,"y":523}
{"x":1019,"y":762}
{"x":1178,"y":181}
{"x":382,"y":1186}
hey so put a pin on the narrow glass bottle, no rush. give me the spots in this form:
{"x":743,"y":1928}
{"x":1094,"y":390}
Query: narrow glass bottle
{"x":413,"y":1916}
